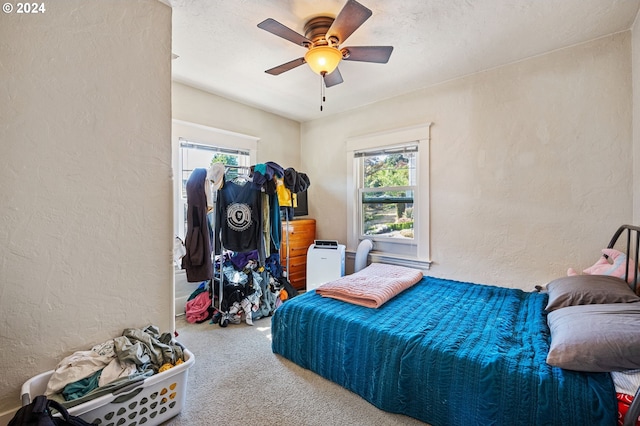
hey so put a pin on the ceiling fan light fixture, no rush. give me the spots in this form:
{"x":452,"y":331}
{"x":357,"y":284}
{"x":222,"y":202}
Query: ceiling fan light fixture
{"x":323,"y":59}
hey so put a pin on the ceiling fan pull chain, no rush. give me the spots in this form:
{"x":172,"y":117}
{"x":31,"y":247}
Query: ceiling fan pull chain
{"x":322,"y":98}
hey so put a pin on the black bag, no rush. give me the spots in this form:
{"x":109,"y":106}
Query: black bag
{"x":38,"y":413}
{"x":290,"y":289}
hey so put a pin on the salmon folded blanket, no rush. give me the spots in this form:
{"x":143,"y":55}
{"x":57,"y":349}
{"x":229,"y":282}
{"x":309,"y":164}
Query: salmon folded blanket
{"x":372,"y":286}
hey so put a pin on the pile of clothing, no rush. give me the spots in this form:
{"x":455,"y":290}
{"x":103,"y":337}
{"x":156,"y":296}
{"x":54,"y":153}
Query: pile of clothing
{"x":108,"y":366}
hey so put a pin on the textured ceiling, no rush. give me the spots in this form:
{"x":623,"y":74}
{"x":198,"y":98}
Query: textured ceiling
{"x":221,"y":50}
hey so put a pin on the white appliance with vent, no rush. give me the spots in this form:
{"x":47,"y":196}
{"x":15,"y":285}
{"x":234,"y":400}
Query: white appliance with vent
{"x":325,"y":262}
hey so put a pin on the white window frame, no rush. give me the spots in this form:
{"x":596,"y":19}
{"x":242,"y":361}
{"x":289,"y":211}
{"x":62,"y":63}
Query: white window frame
{"x":411,"y":252}
{"x":207,"y":136}
{"x":243,"y":161}
{"x":359,"y":177}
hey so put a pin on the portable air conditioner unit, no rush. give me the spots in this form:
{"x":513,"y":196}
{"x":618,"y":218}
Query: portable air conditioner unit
{"x":325,"y":262}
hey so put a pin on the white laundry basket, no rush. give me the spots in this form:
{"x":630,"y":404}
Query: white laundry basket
{"x":148,"y":402}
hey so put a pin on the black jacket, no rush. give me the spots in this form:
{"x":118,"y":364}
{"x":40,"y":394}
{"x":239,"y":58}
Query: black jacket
{"x":197,"y":260}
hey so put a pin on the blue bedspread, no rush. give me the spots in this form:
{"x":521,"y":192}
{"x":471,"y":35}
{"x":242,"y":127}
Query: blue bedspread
{"x":447,"y":353}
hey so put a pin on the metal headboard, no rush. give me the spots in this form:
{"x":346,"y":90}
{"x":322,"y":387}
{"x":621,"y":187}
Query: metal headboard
{"x":632,"y":246}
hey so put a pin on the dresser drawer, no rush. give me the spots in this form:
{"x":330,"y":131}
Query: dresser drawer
{"x":299,"y":262}
{"x":299,"y":227}
{"x":295,"y":251}
{"x":298,"y":233}
{"x":298,"y":273}
{"x":298,"y":281}
{"x":298,"y":242}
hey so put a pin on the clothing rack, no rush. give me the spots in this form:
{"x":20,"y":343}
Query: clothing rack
{"x":224,"y":314}
{"x":246,"y":169}
{"x":233,"y":244}
{"x":250,"y":169}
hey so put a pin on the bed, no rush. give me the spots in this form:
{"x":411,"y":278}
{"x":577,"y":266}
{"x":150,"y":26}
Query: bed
{"x":448,"y":353}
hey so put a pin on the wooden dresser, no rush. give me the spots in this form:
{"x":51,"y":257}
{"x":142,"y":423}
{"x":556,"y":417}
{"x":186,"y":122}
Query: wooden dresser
{"x":300,"y":233}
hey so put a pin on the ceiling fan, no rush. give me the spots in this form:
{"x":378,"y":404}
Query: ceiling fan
{"x":323,"y":37}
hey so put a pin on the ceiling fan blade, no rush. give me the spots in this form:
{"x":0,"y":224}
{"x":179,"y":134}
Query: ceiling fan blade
{"x":285,"y":67}
{"x":275,"y":27}
{"x":378,"y":54}
{"x":332,"y":79}
{"x":352,"y":15}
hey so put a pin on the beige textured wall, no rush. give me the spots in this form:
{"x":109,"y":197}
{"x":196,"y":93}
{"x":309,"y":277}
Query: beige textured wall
{"x":531,"y":165}
{"x":85,"y":180}
{"x":279,"y":136}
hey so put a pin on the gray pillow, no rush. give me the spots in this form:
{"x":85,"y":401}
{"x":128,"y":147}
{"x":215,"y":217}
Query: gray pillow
{"x":588,"y":289}
{"x":595,"y":338}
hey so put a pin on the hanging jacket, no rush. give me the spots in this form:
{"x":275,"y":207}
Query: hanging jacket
{"x":296,"y":181}
{"x":197,"y":260}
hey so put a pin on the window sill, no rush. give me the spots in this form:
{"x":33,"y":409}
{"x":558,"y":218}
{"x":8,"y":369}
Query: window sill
{"x":388,"y":240}
{"x":409,"y":262}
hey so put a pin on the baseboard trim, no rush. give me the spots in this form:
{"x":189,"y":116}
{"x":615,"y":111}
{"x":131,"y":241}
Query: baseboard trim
{"x":6,"y":416}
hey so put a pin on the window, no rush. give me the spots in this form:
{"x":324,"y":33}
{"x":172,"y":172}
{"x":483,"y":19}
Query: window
{"x":387,"y":182}
{"x":197,"y":155}
{"x":195,"y":145}
{"x":388,"y":195}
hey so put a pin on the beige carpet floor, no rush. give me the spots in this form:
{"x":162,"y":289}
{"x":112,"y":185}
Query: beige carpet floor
{"x":237,"y":380}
